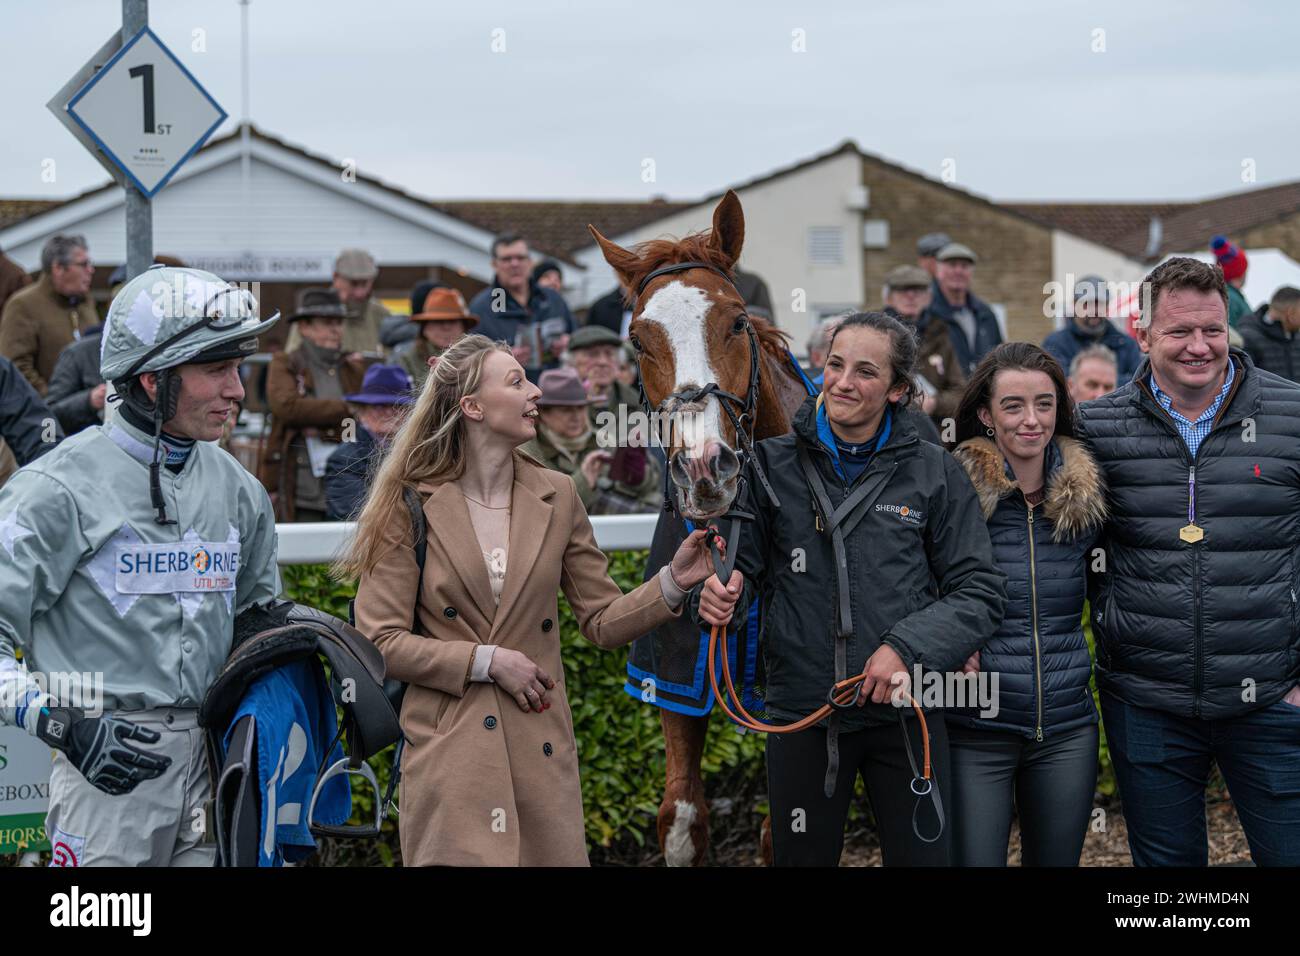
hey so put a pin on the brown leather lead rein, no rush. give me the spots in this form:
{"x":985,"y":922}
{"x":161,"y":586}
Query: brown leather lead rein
{"x":842,"y":696}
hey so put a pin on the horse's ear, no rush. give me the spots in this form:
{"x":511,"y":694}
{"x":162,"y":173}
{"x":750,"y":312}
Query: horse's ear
{"x":622,"y":261}
{"x":728,"y":227}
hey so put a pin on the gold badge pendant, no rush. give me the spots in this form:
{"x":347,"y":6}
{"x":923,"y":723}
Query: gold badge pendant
{"x":1191,"y":533}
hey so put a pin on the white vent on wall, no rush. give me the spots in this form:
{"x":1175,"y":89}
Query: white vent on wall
{"x":859,"y":198}
{"x":875,"y":234}
{"x":825,"y":245}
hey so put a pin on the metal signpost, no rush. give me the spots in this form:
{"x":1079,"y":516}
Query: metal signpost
{"x":142,"y":115}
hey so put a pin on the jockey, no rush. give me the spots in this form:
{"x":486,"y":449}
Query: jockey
{"x":130,"y":550}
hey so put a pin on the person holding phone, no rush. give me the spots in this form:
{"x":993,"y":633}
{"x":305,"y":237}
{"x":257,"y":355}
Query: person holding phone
{"x":533,"y":320}
{"x":612,"y":476}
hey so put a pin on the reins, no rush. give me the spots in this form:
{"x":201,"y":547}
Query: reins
{"x":842,"y":696}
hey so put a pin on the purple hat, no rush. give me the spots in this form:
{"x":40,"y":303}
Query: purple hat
{"x":384,"y":385}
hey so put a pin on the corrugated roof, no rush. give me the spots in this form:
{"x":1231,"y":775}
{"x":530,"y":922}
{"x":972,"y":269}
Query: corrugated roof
{"x":1192,"y":227}
{"x":1185,"y":226}
{"x":1121,"y":225}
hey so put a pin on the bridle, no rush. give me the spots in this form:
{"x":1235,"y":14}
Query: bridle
{"x":739,"y":411}
{"x":844,"y":694}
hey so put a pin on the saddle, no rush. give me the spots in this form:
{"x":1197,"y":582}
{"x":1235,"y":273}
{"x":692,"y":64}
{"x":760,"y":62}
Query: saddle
{"x":267,"y":637}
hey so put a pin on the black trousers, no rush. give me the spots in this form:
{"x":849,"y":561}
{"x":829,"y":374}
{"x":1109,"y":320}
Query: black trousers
{"x":808,"y":828}
{"x":1051,"y":784}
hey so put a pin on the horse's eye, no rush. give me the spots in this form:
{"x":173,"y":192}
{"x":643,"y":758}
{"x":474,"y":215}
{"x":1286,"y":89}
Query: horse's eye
{"x":636,"y":343}
{"x":738,"y":326}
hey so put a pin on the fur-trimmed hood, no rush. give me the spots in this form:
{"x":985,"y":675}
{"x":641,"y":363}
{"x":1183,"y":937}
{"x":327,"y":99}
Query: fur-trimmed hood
{"x":1076,"y":491}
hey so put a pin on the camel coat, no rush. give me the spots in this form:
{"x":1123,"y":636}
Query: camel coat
{"x":484,"y":783}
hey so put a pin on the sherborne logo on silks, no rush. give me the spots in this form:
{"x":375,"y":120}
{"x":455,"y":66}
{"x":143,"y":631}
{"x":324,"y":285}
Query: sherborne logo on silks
{"x":177,"y":566}
{"x":103,"y":909}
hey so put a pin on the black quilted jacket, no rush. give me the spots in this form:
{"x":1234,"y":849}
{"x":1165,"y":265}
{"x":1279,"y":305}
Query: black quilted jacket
{"x":1204,"y":629}
{"x":1039,"y":653}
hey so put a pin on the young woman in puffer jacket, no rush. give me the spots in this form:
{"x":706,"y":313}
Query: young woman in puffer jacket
{"x":1032,"y":744}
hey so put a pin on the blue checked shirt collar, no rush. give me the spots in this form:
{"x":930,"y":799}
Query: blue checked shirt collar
{"x":1194,"y":432}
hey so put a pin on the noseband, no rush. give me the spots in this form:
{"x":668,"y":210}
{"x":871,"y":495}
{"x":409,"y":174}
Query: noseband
{"x":739,"y":411}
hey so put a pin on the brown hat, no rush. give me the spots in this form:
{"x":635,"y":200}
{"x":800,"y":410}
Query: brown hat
{"x":356,"y":264}
{"x":907,"y":277}
{"x":318,"y":304}
{"x":561,"y":386}
{"x":445,"y":305}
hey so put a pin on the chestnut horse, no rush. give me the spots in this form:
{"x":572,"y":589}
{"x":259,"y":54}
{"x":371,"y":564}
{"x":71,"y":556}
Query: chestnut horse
{"x":690,"y":330}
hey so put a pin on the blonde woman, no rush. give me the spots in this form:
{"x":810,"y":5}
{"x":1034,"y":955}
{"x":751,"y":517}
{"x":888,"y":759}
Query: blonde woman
{"x":490,"y":770}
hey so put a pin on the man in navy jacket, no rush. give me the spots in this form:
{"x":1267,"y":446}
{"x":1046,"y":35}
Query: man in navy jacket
{"x":533,"y":320}
{"x":1089,"y":326}
{"x":972,"y":325}
{"x":26,"y":423}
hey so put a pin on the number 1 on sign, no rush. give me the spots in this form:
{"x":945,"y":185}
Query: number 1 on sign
{"x":145,"y":71}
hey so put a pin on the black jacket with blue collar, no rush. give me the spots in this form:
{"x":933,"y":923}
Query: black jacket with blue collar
{"x":921,"y":569}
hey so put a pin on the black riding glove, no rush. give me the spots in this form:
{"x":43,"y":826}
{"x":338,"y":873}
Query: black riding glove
{"x":101,"y":748}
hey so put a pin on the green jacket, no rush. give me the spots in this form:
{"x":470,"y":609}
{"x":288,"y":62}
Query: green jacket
{"x":619,"y":394}
{"x":617,"y":497}
{"x":415,"y":361}
{"x":1238,"y":307}
{"x":92,"y":585}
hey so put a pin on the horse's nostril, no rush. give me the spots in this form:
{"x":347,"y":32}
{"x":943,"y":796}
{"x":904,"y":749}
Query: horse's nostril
{"x":724,"y":464}
{"x":677,"y":471}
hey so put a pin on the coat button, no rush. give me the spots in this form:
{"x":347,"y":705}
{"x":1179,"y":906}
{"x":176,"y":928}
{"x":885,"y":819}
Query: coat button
{"x":547,"y":624}
{"x":489,"y":722}
{"x":449,"y":613}
{"x":547,"y":749}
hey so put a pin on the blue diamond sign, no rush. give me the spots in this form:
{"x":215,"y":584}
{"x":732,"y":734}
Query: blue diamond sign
{"x":145,"y":112}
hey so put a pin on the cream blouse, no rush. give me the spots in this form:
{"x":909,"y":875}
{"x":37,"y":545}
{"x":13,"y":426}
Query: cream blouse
{"x":492,"y":528}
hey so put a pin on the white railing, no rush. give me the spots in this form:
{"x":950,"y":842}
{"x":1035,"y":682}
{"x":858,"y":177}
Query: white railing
{"x":318,"y":542}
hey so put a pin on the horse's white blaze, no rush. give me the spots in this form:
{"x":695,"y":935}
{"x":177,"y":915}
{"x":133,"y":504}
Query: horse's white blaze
{"x":681,"y":310}
{"x":679,"y":849}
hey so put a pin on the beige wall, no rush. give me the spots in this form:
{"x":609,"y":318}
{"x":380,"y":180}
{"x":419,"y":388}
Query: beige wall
{"x":1284,"y":235}
{"x":1015,"y":254}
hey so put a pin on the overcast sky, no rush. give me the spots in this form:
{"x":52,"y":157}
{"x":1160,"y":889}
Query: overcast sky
{"x":1018,"y":96}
